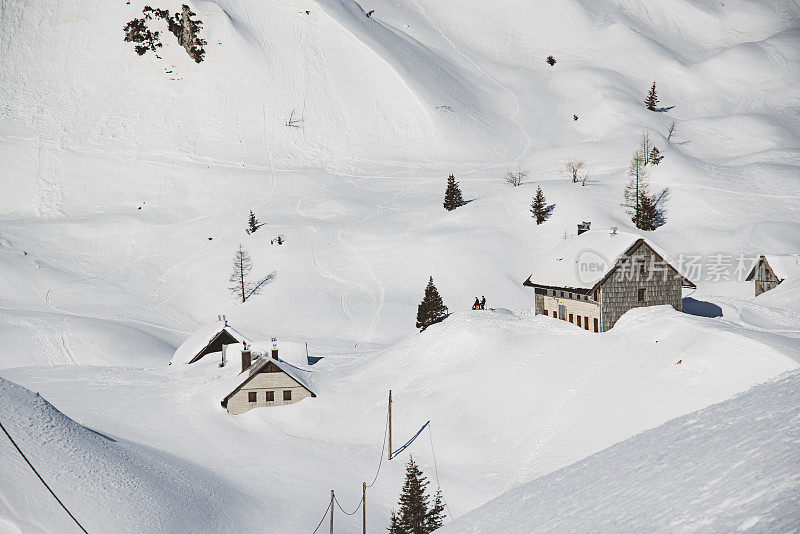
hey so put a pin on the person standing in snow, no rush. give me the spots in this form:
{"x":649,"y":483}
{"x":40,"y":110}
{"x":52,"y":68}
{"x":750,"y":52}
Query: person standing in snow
{"x":477,"y":305}
{"x":483,"y":302}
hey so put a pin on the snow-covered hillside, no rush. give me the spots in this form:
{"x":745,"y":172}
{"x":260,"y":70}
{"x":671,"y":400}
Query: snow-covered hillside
{"x":126,"y":183}
{"x":730,"y":467}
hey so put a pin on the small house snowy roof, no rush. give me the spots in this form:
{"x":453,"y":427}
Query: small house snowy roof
{"x":208,"y":338}
{"x":300,"y":376}
{"x":783,"y":265}
{"x":584,"y":261}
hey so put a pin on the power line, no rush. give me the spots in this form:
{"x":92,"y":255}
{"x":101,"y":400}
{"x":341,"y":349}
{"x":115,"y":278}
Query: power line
{"x":40,"y":478}
{"x":323,"y":517}
{"x":343,"y":510}
{"x":383,"y":448}
{"x":436,"y":470}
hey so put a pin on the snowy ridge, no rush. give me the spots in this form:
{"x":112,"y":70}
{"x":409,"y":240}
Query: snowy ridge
{"x":108,"y":484}
{"x":731,"y":467}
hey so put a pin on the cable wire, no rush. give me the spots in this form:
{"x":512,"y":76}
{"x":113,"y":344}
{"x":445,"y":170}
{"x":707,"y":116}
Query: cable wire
{"x":40,"y":478}
{"x":383,"y":449}
{"x":323,"y":517}
{"x":436,"y":470}
{"x":343,"y":510}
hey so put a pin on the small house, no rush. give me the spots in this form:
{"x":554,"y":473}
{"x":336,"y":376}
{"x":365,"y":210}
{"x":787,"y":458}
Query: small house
{"x":209,"y":338}
{"x":267,"y":381}
{"x":772,"y":269}
{"x":592,"y":279}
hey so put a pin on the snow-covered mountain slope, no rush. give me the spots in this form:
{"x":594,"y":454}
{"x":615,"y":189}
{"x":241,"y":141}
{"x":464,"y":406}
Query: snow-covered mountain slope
{"x":510,"y":397}
{"x":109,"y":484}
{"x":731,"y":467}
{"x":126,"y":181}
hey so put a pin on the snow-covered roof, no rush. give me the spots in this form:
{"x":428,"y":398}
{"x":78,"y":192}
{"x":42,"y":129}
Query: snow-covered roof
{"x":301,"y":376}
{"x":583,"y":261}
{"x":201,"y":339}
{"x":783,"y":265}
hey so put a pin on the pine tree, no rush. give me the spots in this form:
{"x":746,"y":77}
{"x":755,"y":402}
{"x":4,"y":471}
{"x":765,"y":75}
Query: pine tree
{"x":539,"y":207}
{"x":650,"y":217}
{"x":252,"y":223}
{"x":452,"y":196}
{"x":651,"y":99}
{"x":432,"y":309}
{"x":242,"y":264}
{"x":416,"y":516}
{"x":655,"y":156}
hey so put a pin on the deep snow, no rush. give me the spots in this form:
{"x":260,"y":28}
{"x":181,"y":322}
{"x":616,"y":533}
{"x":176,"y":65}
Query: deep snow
{"x":727,"y":468}
{"x":125,"y":189}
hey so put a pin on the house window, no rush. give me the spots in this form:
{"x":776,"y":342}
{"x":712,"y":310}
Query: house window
{"x":579,"y":321}
{"x":252,"y":396}
{"x":554,"y":314}
{"x":569,"y":295}
{"x":595,"y":325}
{"x":270,"y":396}
{"x":546,"y":313}
{"x":562,"y":312}
{"x":570,"y":317}
{"x":562,"y":294}
{"x":586,"y":322}
{"x":287,"y":394}
{"x":640,"y":294}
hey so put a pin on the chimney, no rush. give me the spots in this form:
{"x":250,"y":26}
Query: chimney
{"x":584,"y":227}
{"x":274,"y":348}
{"x":224,"y":358}
{"x":246,"y":359}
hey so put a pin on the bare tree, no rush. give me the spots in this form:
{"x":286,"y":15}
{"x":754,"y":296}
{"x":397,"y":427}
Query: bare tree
{"x":515,"y":179}
{"x":573,"y":170}
{"x":646,"y":146}
{"x":671,"y":131}
{"x":242,"y":264}
{"x":294,"y":123}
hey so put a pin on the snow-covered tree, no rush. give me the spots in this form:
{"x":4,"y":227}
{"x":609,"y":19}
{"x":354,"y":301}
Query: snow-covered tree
{"x":417,"y":515}
{"x":432,"y":309}
{"x":452,"y":195}
{"x":652,"y":99}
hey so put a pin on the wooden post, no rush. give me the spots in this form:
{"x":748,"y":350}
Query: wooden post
{"x":364,"y":507}
{"x":331,"y":511}
{"x":390,"y":424}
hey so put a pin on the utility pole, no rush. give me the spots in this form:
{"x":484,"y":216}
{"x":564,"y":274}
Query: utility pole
{"x":364,"y":507}
{"x":390,"y":424}
{"x":331,"y":511}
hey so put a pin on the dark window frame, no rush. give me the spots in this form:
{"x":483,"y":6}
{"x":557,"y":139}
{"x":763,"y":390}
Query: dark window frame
{"x":252,"y":396}
{"x":641,"y":294}
{"x":270,"y":396}
{"x":287,"y":394}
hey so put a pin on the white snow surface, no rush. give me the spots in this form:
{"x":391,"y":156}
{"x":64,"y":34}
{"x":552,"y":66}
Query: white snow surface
{"x":731,"y":467}
{"x":126,"y":182}
{"x":784,"y":265}
{"x":109,"y":484}
{"x":581,"y":261}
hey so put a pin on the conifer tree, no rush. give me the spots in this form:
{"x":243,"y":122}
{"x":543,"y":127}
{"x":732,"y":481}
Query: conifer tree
{"x":416,"y":515}
{"x":452,"y":195}
{"x":539,"y":207}
{"x":655,"y":156}
{"x":636,"y":186}
{"x":252,"y":223}
{"x":432,"y":309}
{"x":651,"y":99}
{"x":649,"y":215}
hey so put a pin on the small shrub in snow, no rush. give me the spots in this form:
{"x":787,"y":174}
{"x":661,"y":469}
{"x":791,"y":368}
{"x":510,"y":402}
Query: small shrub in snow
{"x":575,"y":170}
{"x":515,"y":178}
{"x":671,"y":131}
{"x":550,"y":60}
